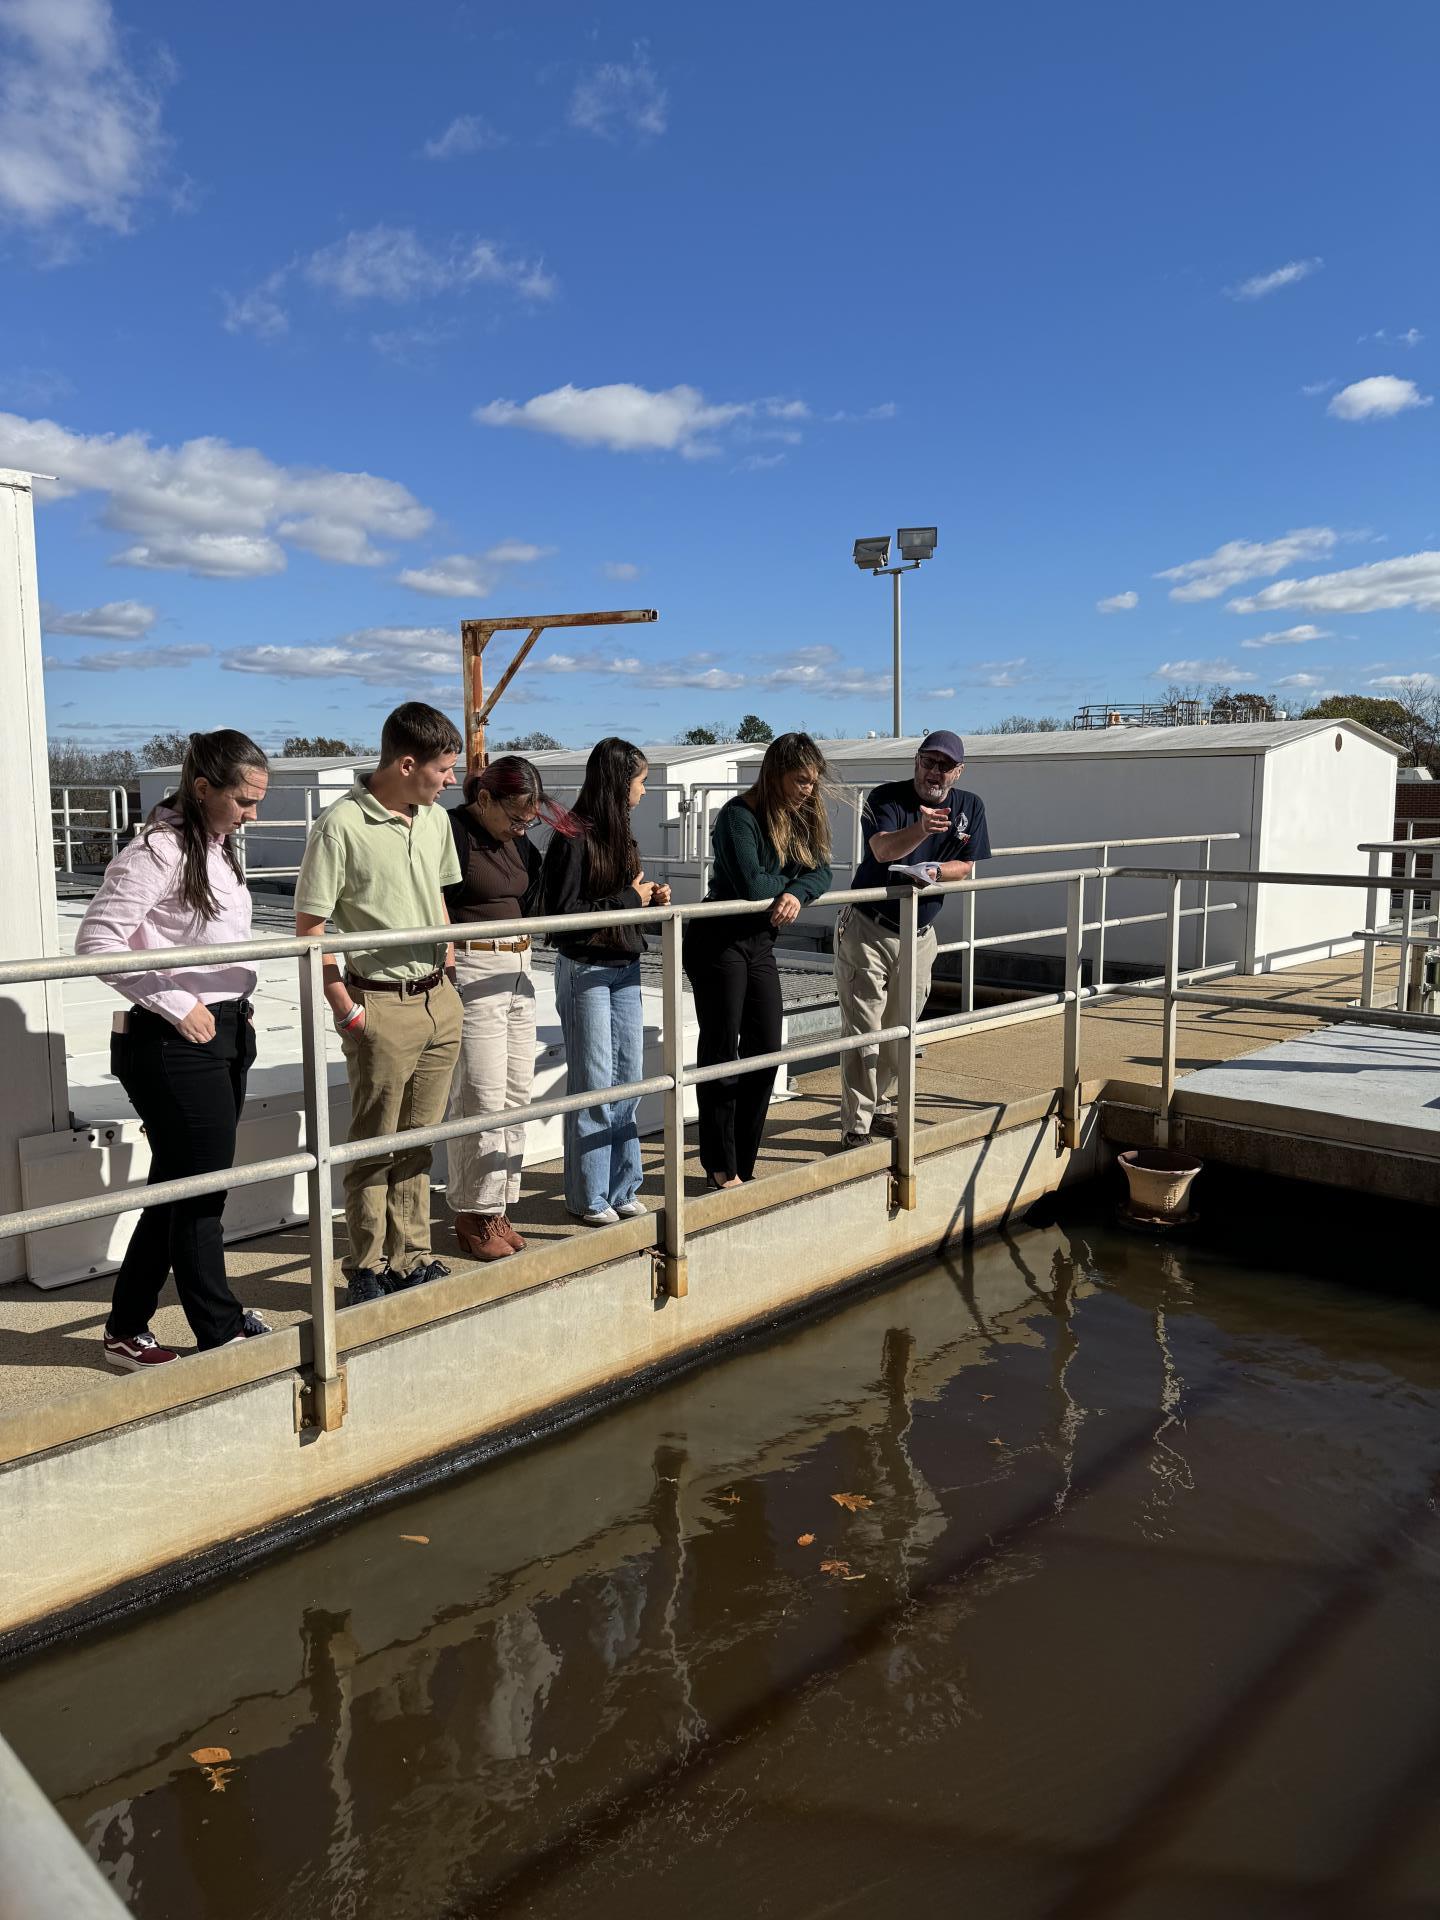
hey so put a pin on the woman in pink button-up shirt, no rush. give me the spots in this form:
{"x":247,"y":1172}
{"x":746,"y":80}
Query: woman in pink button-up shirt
{"x":183,"y":1050}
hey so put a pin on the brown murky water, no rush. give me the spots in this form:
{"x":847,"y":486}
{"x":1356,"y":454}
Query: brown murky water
{"x":1133,"y":1614}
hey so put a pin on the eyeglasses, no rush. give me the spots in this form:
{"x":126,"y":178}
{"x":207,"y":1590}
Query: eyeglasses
{"x":937,"y":762}
{"x":526,"y":817}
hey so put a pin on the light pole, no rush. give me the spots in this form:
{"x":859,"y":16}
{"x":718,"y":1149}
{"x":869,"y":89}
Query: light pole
{"x":873,"y":556}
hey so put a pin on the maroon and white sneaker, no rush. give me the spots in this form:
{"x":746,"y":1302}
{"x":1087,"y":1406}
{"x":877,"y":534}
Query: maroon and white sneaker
{"x":140,"y":1352}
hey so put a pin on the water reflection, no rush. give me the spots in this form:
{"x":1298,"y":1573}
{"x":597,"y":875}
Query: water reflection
{"x":1095,"y":1519}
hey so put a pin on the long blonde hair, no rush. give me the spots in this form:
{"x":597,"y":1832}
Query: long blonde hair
{"x":800,"y":835}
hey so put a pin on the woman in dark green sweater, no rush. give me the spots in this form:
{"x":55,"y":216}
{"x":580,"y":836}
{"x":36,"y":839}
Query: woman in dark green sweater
{"x":772,"y":843}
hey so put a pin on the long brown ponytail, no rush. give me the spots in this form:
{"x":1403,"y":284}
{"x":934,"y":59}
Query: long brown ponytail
{"x":220,"y":758}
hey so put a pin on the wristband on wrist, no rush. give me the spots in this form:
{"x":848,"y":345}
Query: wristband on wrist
{"x":351,"y":1017}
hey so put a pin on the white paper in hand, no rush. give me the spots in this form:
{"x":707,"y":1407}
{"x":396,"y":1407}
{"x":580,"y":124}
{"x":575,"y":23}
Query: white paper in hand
{"x":923,"y":876}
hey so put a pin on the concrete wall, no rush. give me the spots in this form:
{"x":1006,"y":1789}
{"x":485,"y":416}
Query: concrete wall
{"x":32,"y":1026}
{"x":204,"y":1475}
{"x":1323,"y":795}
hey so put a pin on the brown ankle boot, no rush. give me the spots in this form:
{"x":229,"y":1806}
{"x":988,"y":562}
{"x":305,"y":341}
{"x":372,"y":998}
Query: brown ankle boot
{"x":480,"y":1238}
{"x":507,"y":1232}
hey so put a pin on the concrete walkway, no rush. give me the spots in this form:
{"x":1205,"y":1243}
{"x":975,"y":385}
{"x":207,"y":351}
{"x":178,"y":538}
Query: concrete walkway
{"x":50,"y":1342}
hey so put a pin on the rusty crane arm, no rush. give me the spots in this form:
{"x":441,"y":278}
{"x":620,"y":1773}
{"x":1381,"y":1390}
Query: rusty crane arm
{"x":475,"y":637}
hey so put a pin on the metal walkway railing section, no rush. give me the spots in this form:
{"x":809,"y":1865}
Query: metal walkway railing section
{"x":44,"y":1870}
{"x":1418,"y":929}
{"x":281,"y":1353}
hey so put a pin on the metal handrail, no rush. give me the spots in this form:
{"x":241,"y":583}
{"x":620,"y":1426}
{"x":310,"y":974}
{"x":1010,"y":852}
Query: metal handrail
{"x":320,"y":1157}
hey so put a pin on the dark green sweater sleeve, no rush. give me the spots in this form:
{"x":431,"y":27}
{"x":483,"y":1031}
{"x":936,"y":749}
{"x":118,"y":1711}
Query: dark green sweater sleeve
{"x":746,"y":865}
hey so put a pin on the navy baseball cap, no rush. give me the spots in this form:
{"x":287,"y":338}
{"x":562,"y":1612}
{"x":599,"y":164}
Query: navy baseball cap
{"x":950,"y":744}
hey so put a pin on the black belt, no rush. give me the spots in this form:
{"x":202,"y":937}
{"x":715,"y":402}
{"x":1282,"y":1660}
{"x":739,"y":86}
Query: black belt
{"x":408,"y":988}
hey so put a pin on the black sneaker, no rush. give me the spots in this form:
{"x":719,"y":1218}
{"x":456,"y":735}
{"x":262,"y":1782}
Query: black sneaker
{"x":419,"y":1276}
{"x":855,"y":1139}
{"x":884,"y":1126}
{"x":368,"y":1283}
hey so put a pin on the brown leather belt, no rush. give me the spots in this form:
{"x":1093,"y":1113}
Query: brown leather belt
{"x":522,"y":945}
{"x":409,"y":988}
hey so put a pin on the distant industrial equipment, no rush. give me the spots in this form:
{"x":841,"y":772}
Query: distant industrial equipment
{"x":1232,"y":709}
{"x":872,"y":555}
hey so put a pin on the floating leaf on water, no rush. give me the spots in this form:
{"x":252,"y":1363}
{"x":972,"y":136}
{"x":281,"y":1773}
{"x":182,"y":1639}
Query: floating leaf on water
{"x":804,"y":1539}
{"x":420,"y":1539}
{"x":987,"y":1396}
{"x":210,"y":1756}
{"x":996,"y":1442}
{"x":852,"y":1502}
{"x":217,"y":1777}
{"x":835,"y":1566}
{"x":728,"y":1499}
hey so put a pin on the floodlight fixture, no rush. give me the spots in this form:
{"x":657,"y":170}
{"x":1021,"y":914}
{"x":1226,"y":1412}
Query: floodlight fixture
{"x":917,"y":543}
{"x":872,"y":555}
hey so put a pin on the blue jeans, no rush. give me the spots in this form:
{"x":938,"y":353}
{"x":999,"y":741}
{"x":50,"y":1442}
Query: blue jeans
{"x":604,"y":1028}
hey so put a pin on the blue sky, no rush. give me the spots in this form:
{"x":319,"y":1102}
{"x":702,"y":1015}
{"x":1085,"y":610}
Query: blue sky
{"x":339,"y":324}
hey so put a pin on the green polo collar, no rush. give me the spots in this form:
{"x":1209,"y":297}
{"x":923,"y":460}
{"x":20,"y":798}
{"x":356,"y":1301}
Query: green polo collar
{"x":371,"y":807}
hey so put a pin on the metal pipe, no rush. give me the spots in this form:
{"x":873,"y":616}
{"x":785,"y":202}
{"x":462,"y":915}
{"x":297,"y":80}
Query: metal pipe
{"x":1104,"y":913}
{"x":895,"y":578}
{"x":672,"y":1036}
{"x":1070,"y":1083}
{"x":1168,"y":1019}
{"x":329,"y":1387}
{"x":1289,"y":1009}
{"x":385,"y":1143}
{"x":787,"y":1056}
{"x":909,"y":1013}
{"x":967,"y":968}
{"x":44,"y":1871}
{"x":70,"y":1213}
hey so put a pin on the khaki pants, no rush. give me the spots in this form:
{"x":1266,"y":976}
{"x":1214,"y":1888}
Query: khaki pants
{"x":497,"y":1068}
{"x":400,"y":1071}
{"x":867,"y":978}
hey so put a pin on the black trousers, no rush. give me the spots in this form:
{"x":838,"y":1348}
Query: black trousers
{"x":736,"y":984}
{"x":190,"y":1099}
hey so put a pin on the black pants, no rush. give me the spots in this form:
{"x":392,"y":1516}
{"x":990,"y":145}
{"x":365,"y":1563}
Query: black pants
{"x":737,"y":998}
{"x":190,"y":1098}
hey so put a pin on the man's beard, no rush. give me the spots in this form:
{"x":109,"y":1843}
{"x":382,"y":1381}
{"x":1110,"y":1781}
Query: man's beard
{"x":932,"y":792}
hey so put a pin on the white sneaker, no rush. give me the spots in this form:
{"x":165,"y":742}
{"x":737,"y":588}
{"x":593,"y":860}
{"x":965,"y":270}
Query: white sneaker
{"x":602,"y":1217}
{"x":632,"y":1209}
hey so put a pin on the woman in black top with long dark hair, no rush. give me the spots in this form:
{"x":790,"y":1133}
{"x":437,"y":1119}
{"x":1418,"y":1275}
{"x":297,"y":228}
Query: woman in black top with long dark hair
{"x":597,"y":980}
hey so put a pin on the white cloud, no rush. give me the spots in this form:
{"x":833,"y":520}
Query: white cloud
{"x":470,"y":576}
{"x":1260,"y":284}
{"x":468,"y":133}
{"x":259,"y":311}
{"x":1200,"y":670}
{"x":378,"y":656}
{"x":620,"y":570}
{"x":618,"y":96}
{"x":997,"y":673}
{"x":691,"y":670}
{"x":761,"y":462}
{"x":822,"y":670}
{"x":115,"y":620}
{"x":1409,"y":682}
{"x":209,"y":508}
{"x":886,"y":410}
{"x":1378,"y":398}
{"x":1411,"y":337}
{"x":80,"y":132}
{"x":938,"y":693}
{"x":35,"y":386}
{"x":395,"y":264}
{"x":1287,"y":637}
{"x":1409,"y":580}
{"x":1118,"y":603}
{"x":1241,"y":560}
{"x":131,"y":660}
{"x":1302,"y":680}
{"x":1317,"y":386}
{"x":622,"y":417}
{"x":410,"y":346}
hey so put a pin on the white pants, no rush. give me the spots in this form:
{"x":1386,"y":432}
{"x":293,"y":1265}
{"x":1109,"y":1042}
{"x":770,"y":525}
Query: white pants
{"x":867,"y":979}
{"x":495,"y":1070}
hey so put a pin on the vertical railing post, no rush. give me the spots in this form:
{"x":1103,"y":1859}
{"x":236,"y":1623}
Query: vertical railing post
{"x":674,"y":1259}
{"x":113,"y":820}
{"x":1074,"y":943}
{"x":1372,"y":925}
{"x":967,"y":966}
{"x":1203,"y":950}
{"x":69,"y":866}
{"x":1403,"y":995}
{"x":904,"y":1161}
{"x":329,"y":1375}
{"x":1104,"y":914}
{"x":1171,"y":1010}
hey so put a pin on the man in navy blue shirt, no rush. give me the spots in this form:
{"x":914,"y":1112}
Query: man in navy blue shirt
{"x":926,"y":821}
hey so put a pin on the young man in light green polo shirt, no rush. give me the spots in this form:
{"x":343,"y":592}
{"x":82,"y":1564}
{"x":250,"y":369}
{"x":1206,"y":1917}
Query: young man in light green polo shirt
{"x":376,"y":861}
